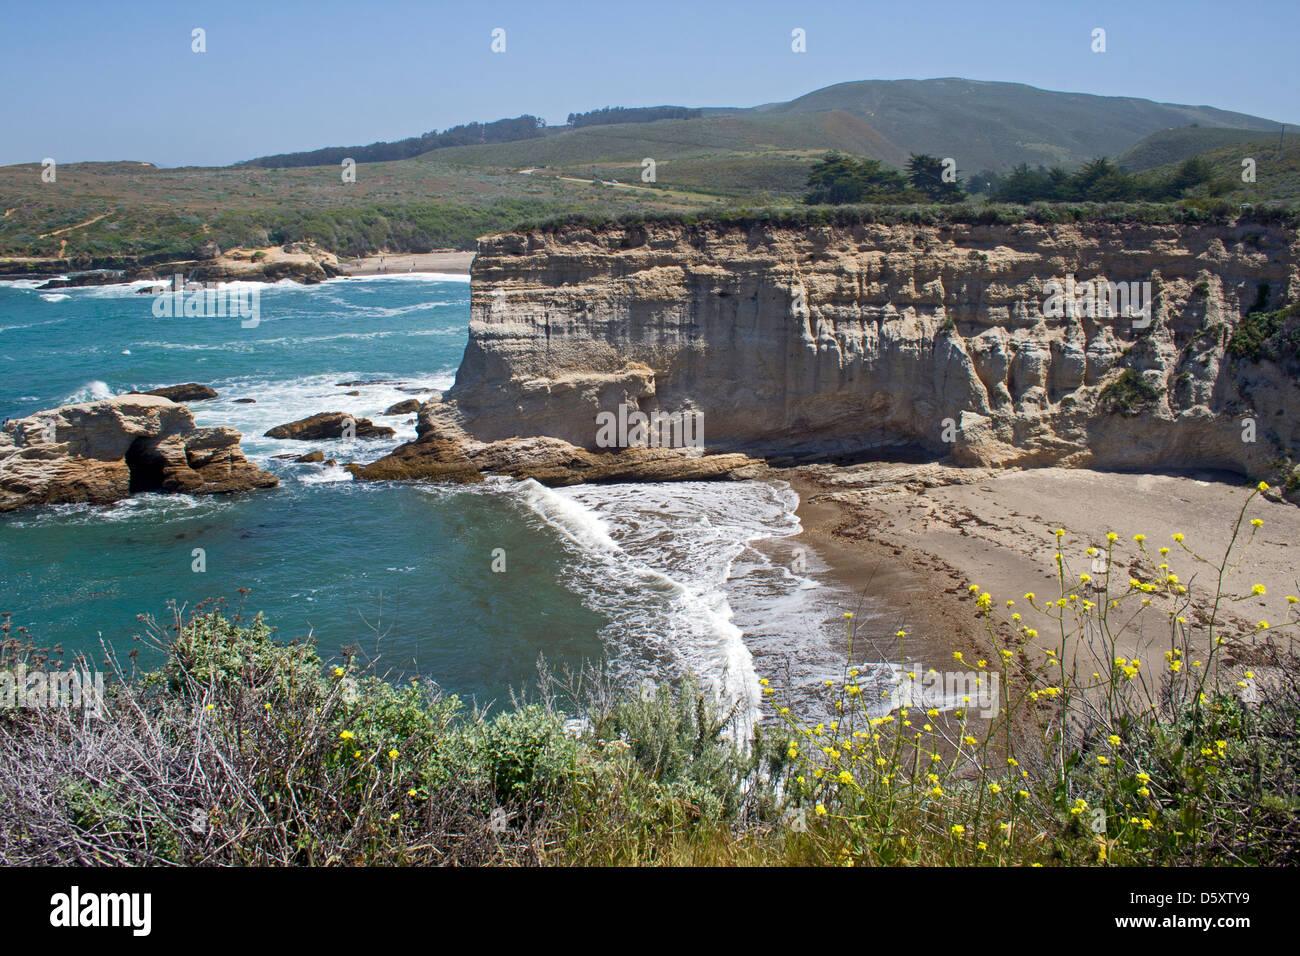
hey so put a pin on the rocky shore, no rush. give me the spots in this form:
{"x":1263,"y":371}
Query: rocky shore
{"x":443,"y":451}
{"x":304,"y":262}
{"x":101,"y":452}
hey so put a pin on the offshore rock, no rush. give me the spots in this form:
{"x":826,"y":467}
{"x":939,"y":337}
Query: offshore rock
{"x":101,"y":452}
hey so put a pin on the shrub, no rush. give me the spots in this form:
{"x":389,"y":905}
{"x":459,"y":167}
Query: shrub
{"x":1129,"y":394}
{"x":1272,"y":335}
{"x":1171,"y":762}
{"x":242,"y":750}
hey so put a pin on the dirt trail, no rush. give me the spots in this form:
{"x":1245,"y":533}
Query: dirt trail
{"x":59,"y":232}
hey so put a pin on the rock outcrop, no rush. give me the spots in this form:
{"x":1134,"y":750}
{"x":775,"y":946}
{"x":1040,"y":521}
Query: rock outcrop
{"x":330,"y":425}
{"x":100,"y":452}
{"x":304,"y":262}
{"x":443,"y":452}
{"x":830,"y":341}
{"x":189,"y":392}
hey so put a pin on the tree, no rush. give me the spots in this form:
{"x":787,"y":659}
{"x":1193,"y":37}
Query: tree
{"x":1099,"y":181}
{"x":1024,"y":185}
{"x":838,"y":179}
{"x":985,"y":181}
{"x":925,"y":173}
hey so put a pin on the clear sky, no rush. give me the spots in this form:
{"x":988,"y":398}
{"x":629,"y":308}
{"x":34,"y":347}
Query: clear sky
{"x":109,"y":80}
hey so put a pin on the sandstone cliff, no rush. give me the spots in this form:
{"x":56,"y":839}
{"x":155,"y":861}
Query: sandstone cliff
{"x":100,"y":452}
{"x":848,"y":340}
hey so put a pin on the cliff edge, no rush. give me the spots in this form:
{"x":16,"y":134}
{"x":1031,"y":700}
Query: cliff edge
{"x":1078,"y":344}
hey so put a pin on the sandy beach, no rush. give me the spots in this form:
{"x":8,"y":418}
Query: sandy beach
{"x":919,"y":535}
{"x":451,"y":261}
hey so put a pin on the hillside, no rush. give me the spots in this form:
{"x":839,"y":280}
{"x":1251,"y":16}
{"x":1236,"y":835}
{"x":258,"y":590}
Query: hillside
{"x":114,"y":210}
{"x":447,"y":196}
{"x":1179,"y":143}
{"x":999,"y":125}
{"x":1277,"y":170}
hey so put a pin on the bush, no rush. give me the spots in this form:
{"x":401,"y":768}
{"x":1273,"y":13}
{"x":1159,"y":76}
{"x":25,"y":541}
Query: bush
{"x":242,"y":750}
{"x":1272,"y":335}
{"x":1129,"y":394}
{"x":1173,"y":762}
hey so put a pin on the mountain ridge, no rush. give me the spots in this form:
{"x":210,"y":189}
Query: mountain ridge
{"x":986,"y":124}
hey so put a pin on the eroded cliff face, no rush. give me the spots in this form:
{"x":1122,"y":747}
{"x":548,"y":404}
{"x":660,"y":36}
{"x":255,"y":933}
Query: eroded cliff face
{"x":843,"y":340}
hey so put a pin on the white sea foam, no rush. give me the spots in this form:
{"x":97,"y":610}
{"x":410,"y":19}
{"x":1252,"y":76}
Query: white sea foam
{"x":27,"y":284}
{"x":677,"y":568}
{"x":277,"y":401}
{"x":324,"y":475}
{"x":55,"y":297}
{"x":149,"y":508}
{"x":90,"y":392}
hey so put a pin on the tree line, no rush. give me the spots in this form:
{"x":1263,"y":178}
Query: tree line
{"x":467,"y":134}
{"x":621,"y":114}
{"x":838,"y":179}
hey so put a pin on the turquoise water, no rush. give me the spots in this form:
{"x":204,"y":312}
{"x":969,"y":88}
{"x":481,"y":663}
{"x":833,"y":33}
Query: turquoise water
{"x":656,"y":578}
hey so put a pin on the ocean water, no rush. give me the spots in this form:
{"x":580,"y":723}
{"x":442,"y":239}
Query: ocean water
{"x":653,"y":579}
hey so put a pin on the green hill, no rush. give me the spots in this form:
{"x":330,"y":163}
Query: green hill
{"x":1277,"y":170}
{"x":720,"y":158}
{"x":983,"y":125}
{"x":1179,"y":143}
{"x":739,"y":132}
{"x":998,"y":125}
{"x":764,"y":153}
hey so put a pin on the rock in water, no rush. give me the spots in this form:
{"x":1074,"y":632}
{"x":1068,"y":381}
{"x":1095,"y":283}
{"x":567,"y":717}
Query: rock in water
{"x":444,"y":452}
{"x":329,"y":425}
{"x":402,"y":408}
{"x":101,"y":452}
{"x":189,"y":392}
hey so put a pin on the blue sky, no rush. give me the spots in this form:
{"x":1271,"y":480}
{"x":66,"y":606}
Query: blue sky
{"x":92,"y":80}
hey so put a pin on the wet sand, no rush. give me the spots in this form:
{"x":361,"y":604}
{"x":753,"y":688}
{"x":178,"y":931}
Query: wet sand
{"x":918,"y":536}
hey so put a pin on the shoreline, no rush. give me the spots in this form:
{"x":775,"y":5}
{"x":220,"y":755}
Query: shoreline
{"x":918,"y":536}
{"x":303,"y":263}
{"x":903,"y":589}
{"x":450,"y":261}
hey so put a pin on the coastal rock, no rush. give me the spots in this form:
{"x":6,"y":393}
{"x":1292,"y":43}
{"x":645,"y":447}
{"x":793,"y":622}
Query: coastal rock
{"x":300,"y":261}
{"x":245,"y":401}
{"x":329,"y":425}
{"x":190,"y":392}
{"x":311,"y":457}
{"x":836,"y":341}
{"x":404,"y":407}
{"x":82,"y":279}
{"x":101,"y":452}
{"x":442,"y":452}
